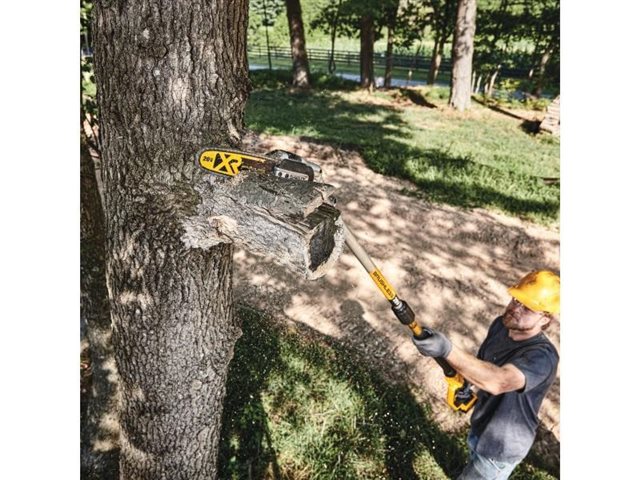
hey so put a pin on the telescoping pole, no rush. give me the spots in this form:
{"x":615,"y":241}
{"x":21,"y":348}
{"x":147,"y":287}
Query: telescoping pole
{"x":459,"y":396}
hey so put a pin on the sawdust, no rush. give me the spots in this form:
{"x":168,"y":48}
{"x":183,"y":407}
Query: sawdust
{"x":452,"y":265}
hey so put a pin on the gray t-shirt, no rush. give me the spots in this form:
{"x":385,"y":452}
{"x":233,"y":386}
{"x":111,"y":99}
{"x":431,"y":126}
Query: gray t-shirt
{"x":506,"y":424}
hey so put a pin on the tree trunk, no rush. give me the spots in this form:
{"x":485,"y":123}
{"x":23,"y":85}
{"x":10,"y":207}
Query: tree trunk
{"x":460,"y":97}
{"x":388,"y":70}
{"x":99,"y":450}
{"x":266,"y":33}
{"x":436,"y":60}
{"x":367,"y":38}
{"x":492,"y":82}
{"x":169,"y":80}
{"x":478,"y":84}
{"x":542,"y":67}
{"x":301,"y":76}
{"x":334,"y":28}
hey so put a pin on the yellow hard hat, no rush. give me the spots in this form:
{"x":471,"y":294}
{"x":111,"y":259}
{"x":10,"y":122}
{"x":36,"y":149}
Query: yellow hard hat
{"x":539,"y":291}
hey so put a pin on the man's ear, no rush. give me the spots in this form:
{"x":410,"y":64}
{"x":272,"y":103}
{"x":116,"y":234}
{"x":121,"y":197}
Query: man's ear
{"x":549,"y":319}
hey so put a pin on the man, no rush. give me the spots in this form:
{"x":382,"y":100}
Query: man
{"x":515,"y":367}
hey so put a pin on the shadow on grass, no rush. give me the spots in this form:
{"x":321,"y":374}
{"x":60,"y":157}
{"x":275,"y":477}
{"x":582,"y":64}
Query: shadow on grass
{"x":381,"y":135}
{"x":477,"y":192}
{"x":390,"y":431}
{"x":250,"y":454}
{"x":417,"y":98}
{"x":531,"y":127}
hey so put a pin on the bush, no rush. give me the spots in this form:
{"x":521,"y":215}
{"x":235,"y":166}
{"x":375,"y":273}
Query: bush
{"x":281,"y":78}
{"x":512,"y":93}
{"x":438,"y":93}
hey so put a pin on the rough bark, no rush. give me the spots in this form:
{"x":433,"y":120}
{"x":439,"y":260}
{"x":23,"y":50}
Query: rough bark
{"x":99,"y":447}
{"x":301,"y":75}
{"x":171,"y":77}
{"x":367,"y":38}
{"x":460,"y":98}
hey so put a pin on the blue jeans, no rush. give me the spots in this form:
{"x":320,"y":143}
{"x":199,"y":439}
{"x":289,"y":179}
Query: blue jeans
{"x":480,"y":467}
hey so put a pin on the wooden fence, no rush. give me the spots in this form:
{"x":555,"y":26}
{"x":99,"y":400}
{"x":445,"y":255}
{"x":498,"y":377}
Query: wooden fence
{"x":420,"y":62}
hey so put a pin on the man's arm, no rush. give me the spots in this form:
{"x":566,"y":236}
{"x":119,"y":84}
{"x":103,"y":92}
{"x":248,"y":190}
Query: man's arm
{"x":485,"y":375}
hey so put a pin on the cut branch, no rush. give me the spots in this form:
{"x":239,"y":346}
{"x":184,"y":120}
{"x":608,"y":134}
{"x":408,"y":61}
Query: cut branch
{"x":286,"y":220}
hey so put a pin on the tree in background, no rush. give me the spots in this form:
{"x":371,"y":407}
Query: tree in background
{"x":329,"y":21}
{"x":365,"y":17}
{"x":545,"y":31}
{"x":496,"y":31}
{"x":301,"y":76}
{"x":168,"y":82}
{"x":268,"y":11}
{"x":462,"y":64}
{"x":367,"y":39}
{"x":391,"y":14}
{"x":511,"y":34}
{"x":441,"y":20}
{"x":100,"y":438}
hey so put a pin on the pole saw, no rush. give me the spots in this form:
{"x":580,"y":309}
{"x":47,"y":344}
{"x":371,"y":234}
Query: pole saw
{"x":229,"y":163}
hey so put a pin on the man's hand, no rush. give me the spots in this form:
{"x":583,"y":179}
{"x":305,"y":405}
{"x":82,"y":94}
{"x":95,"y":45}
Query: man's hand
{"x":436,"y":345}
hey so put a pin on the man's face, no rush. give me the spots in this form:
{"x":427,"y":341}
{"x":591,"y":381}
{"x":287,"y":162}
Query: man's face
{"x":521,"y":318}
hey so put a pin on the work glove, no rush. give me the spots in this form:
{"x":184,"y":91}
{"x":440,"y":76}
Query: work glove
{"x":437,"y":345}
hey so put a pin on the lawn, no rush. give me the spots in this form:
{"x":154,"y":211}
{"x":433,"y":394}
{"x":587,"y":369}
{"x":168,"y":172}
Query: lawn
{"x":480,"y":158}
{"x":299,"y":406}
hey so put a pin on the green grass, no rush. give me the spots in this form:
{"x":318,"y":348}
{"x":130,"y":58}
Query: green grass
{"x":480,"y":159}
{"x":299,"y":406}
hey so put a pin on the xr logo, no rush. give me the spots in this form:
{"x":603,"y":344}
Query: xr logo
{"x":225,"y":163}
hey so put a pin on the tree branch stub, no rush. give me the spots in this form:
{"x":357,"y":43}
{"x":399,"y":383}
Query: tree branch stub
{"x":286,"y":220}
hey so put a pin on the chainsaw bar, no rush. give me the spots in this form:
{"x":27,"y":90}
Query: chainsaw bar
{"x":230,"y":163}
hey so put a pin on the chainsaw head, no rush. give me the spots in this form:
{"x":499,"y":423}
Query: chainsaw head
{"x":281,"y":163}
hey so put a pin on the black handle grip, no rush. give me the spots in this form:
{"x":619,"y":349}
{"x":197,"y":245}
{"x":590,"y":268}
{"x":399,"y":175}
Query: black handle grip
{"x":406,"y":316}
{"x":426,"y":333}
{"x":448,"y":370}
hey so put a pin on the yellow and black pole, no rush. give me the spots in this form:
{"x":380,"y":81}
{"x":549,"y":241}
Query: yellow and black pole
{"x":459,"y":393}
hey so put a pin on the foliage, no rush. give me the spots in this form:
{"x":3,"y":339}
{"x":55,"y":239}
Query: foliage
{"x":442,"y":18}
{"x":484,"y":159}
{"x":437,"y":93}
{"x":267,"y":15}
{"x":299,"y":405}
{"x":88,"y":102}
{"x":267,"y":10}
{"x":88,"y":87}
{"x":279,"y":79}
{"x":509,"y":93}
{"x":510,"y":34}
{"x":349,"y":13}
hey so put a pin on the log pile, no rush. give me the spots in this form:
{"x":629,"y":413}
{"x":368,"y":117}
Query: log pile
{"x":551,"y":121}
